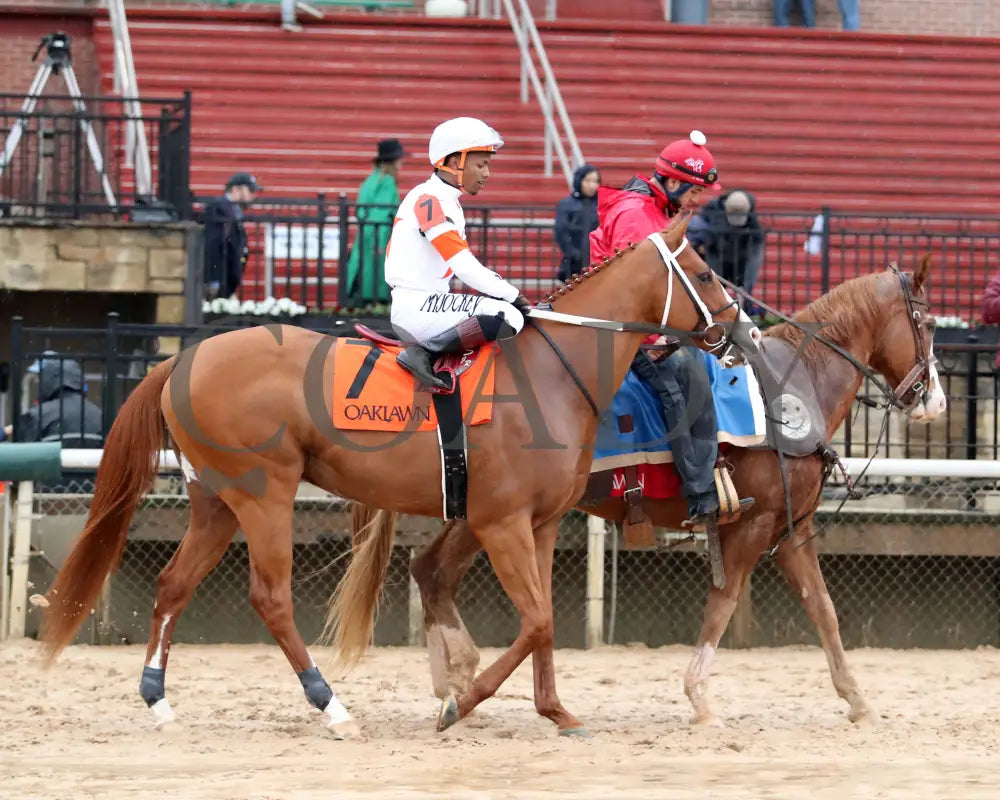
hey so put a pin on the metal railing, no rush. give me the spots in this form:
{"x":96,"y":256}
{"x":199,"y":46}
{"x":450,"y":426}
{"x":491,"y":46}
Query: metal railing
{"x":300,"y":248}
{"x":491,"y":9}
{"x":126,"y":83}
{"x":52,"y":174}
{"x":115,"y":358}
{"x":548,"y":96}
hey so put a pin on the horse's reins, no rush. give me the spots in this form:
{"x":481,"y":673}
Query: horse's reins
{"x":910,"y":383}
{"x":673,"y":267}
{"x":894,"y":398}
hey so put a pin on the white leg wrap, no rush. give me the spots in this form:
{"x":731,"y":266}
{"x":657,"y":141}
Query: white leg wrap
{"x":162,"y":711}
{"x":336,"y":712}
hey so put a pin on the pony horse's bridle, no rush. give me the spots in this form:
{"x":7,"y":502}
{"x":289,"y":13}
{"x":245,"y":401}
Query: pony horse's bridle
{"x":913,"y":388}
{"x":917,"y":380}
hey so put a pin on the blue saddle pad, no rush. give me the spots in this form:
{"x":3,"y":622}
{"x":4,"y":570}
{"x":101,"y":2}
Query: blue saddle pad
{"x":739,"y":409}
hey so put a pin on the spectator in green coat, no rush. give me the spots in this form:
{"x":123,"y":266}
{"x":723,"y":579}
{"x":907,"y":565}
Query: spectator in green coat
{"x":366,"y":264}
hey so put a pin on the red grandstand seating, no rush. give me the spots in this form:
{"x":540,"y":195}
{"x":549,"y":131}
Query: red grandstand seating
{"x":803,"y":119}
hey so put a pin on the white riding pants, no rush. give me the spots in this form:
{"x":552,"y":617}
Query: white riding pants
{"x":418,"y":316}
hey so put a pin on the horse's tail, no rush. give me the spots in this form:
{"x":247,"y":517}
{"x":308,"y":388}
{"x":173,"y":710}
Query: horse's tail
{"x":350,"y":617}
{"x":128,"y":467}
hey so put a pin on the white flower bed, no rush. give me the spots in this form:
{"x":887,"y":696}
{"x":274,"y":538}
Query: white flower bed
{"x":951,"y":322}
{"x":266,"y":307}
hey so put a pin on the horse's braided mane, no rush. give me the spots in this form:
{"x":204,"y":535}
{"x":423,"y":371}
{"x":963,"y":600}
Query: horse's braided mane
{"x":591,"y":271}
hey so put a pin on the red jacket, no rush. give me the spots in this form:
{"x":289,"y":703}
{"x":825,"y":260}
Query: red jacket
{"x":991,"y":304}
{"x":629,"y":215}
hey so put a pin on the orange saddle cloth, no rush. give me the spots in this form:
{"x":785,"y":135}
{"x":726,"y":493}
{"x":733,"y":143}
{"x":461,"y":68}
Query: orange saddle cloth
{"x":371,"y":392}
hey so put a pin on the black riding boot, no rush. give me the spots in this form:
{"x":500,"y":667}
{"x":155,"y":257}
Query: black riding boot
{"x":681,"y":381}
{"x":467,"y":335}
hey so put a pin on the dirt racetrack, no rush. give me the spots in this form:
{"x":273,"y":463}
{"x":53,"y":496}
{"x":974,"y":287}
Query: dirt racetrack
{"x":245,"y":731}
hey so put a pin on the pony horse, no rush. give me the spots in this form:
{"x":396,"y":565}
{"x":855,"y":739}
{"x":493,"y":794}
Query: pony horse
{"x":881,"y":323}
{"x":249,"y":414}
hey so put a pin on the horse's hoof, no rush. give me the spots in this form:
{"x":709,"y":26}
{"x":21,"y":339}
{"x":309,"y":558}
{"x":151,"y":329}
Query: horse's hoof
{"x":861,"y":716}
{"x":448,"y":715}
{"x":579,"y":733}
{"x":348,"y":729}
{"x":708,"y":720}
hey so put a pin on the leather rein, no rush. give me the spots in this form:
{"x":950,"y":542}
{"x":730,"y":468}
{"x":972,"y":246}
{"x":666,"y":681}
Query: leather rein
{"x":915,"y":382}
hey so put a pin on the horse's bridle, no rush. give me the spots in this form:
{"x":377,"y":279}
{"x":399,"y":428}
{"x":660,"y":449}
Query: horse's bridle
{"x":673,"y":266}
{"x":916,"y":381}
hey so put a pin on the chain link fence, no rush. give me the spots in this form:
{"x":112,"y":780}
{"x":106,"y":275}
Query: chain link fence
{"x":914,"y":564}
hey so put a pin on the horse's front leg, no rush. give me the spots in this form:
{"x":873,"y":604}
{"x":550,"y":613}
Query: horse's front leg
{"x":800,"y":566}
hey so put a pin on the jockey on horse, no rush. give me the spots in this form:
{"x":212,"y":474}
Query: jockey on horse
{"x":428,"y":246}
{"x":684,"y":169}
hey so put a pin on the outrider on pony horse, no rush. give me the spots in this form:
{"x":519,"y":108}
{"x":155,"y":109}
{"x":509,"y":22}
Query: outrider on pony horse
{"x":881,"y":323}
{"x":251,"y":414}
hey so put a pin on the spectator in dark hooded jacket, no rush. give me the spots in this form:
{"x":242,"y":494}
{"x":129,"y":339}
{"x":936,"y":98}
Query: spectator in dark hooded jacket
{"x":729,"y":237}
{"x":62,"y":409}
{"x":576,"y":217}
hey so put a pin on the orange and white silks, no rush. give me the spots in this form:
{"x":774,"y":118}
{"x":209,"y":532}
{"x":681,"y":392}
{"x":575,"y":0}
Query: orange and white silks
{"x":427,"y":248}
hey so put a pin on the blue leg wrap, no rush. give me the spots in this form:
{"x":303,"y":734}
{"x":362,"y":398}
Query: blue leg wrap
{"x":316,"y":688}
{"x":151,"y":685}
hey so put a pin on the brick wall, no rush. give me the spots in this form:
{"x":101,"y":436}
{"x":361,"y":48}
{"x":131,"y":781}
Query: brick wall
{"x":19,"y":35}
{"x":957,"y":17}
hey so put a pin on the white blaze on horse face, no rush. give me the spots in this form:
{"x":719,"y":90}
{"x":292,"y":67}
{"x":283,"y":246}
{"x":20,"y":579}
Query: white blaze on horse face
{"x":935,"y":402}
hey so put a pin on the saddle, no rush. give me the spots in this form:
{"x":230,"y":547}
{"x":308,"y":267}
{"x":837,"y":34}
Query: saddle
{"x":446,"y":365}
{"x":451,"y":424}
{"x":795,"y":427}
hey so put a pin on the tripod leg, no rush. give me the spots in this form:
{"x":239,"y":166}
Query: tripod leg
{"x":85,"y":126}
{"x":30,"y":101}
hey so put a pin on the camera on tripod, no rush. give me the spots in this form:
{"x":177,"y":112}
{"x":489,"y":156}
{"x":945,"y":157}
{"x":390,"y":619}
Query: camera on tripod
{"x":57,"y":52}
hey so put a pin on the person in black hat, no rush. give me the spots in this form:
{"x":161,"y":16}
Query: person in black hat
{"x":378,"y":199}
{"x":225,"y":237}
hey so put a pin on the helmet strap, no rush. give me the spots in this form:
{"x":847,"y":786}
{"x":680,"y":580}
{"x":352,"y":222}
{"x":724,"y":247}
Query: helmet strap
{"x":676,"y":195}
{"x":462,"y":155}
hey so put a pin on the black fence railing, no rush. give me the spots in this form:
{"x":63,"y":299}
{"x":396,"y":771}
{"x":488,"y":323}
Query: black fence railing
{"x":327,"y":252}
{"x":73,"y":163}
{"x":114,"y":359}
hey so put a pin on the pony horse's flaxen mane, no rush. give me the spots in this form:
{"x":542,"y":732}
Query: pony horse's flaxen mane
{"x":840,"y":311}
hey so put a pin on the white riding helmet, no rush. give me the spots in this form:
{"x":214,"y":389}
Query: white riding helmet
{"x":461,"y":135}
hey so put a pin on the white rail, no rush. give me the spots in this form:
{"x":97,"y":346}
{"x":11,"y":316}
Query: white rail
{"x":879,"y":468}
{"x":922,"y":468}
{"x":18,"y":519}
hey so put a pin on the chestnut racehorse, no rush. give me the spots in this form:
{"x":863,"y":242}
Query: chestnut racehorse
{"x":882,"y":321}
{"x":249,"y":414}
